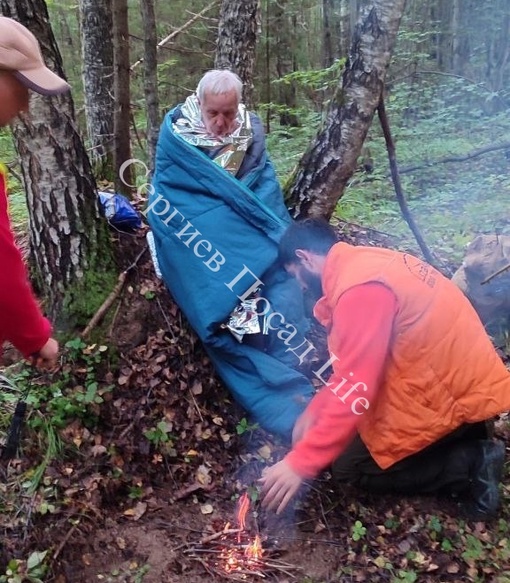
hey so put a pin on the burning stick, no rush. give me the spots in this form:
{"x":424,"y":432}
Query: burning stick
{"x":244,"y":505}
{"x":216,"y":535}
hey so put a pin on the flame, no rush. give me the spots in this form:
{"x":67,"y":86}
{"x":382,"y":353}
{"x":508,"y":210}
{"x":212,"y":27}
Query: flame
{"x":231,"y":562}
{"x":244,"y":505}
{"x":237,"y":559}
{"x":254,"y":551}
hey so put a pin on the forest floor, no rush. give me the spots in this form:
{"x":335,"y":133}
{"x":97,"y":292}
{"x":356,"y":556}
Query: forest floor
{"x":129,"y":479}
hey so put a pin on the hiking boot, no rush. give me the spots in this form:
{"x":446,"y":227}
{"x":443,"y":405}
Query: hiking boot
{"x":486,"y":470}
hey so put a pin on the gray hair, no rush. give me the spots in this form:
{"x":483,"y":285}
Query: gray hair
{"x":219,"y":81}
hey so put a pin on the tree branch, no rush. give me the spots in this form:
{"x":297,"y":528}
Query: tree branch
{"x":107,"y":304}
{"x":459,"y":158}
{"x":406,"y":213}
{"x":179,"y":30}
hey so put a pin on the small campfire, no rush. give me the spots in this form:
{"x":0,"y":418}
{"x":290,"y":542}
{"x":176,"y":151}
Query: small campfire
{"x":233,"y":553}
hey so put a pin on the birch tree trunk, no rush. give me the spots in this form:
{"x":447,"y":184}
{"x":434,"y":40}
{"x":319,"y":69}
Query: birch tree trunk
{"x":237,"y":37}
{"x":324,"y":170}
{"x":69,"y":242}
{"x":97,"y":72}
{"x":150,"y":76}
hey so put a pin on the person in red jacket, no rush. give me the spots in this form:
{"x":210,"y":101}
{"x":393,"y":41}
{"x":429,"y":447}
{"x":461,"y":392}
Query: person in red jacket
{"x":415,"y":377}
{"x":21,"y":321}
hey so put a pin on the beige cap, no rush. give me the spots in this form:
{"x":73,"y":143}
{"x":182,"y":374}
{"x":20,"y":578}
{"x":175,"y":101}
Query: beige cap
{"x":20,"y":53}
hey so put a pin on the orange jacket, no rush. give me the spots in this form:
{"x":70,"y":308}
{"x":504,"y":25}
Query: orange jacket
{"x":441,"y":370}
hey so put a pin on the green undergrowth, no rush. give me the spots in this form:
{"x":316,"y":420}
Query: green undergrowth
{"x":62,"y":407}
{"x":451,"y":202}
{"x":72,"y":394}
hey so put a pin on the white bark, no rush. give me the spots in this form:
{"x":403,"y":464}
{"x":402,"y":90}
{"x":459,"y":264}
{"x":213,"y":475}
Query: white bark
{"x":331,"y":160}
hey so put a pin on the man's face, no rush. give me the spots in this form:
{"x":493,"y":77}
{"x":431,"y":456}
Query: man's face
{"x":309,"y":281}
{"x":13,"y":97}
{"x":219,"y":113}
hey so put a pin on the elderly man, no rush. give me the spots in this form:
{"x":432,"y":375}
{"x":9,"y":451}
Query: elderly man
{"x":217,"y":214}
{"x":21,"y":68}
{"x":414,"y":378}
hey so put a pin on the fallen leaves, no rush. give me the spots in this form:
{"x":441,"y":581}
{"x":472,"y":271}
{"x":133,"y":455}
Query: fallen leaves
{"x":206,"y":509}
{"x":137,"y":511}
{"x":203,"y":475}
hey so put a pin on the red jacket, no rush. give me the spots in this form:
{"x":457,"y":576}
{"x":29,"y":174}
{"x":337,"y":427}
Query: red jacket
{"x":21,"y":320}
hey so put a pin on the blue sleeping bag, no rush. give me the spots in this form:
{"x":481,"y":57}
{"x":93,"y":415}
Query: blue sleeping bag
{"x":215,"y":235}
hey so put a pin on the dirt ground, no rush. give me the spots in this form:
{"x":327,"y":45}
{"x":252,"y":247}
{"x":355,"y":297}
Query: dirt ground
{"x":160,"y":544}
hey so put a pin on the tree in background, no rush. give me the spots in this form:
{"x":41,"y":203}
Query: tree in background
{"x":150,"y":78}
{"x":284,"y":24}
{"x":70,"y":244}
{"x":332,"y":33}
{"x":349,"y":14}
{"x":122,"y":96}
{"x":330,"y":161}
{"x":97,"y":72}
{"x":237,"y":38}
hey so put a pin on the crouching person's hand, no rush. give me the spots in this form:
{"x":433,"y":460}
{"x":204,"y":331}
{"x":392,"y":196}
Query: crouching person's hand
{"x":279,"y":484}
{"x":47,"y":355}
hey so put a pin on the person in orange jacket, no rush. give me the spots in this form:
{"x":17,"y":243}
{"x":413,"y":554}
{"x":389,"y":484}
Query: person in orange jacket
{"x":415,"y":377}
{"x":21,"y":321}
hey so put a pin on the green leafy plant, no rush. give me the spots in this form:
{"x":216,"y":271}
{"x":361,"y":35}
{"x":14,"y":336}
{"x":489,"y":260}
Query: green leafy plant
{"x":160,"y":434}
{"x":254,"y":494}
{"x":32,"y":570}
{"x":475,"y":549}
{"x":75,"y":392}
{"x":358,"y":531}
{"x":405,"y":576}
{"x":392,"y":523}
{"x":140,"y":573}
{"x":135,"y":492}
{"x":435,"y":526}
{"x":244,"y":425}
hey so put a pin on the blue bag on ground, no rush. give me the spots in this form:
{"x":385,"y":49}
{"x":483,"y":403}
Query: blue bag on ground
{"x":119,"y":212}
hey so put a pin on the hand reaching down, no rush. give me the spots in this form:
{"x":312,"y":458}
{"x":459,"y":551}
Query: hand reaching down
{"x":47,"y":355}
{"x":279,"y":484}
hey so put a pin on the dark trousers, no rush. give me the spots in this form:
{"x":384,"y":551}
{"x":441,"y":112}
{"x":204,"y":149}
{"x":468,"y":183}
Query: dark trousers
{"x":443,"y":466}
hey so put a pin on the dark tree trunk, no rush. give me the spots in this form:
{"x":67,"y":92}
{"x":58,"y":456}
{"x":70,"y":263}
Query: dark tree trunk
{"x":97,"y":72}
{"x":70,"y":244}
{"x":284,"y":30}
{"x":237,"y":37}
{"x":498,"y":53}
{"x":150,"y":78}
{"x":331,"y":39}
{"x":441,"y":12}
{"x":121,"y":84}
{"x":328,"y":164}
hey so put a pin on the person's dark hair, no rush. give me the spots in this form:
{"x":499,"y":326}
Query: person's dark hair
{"x":315,"y":235}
